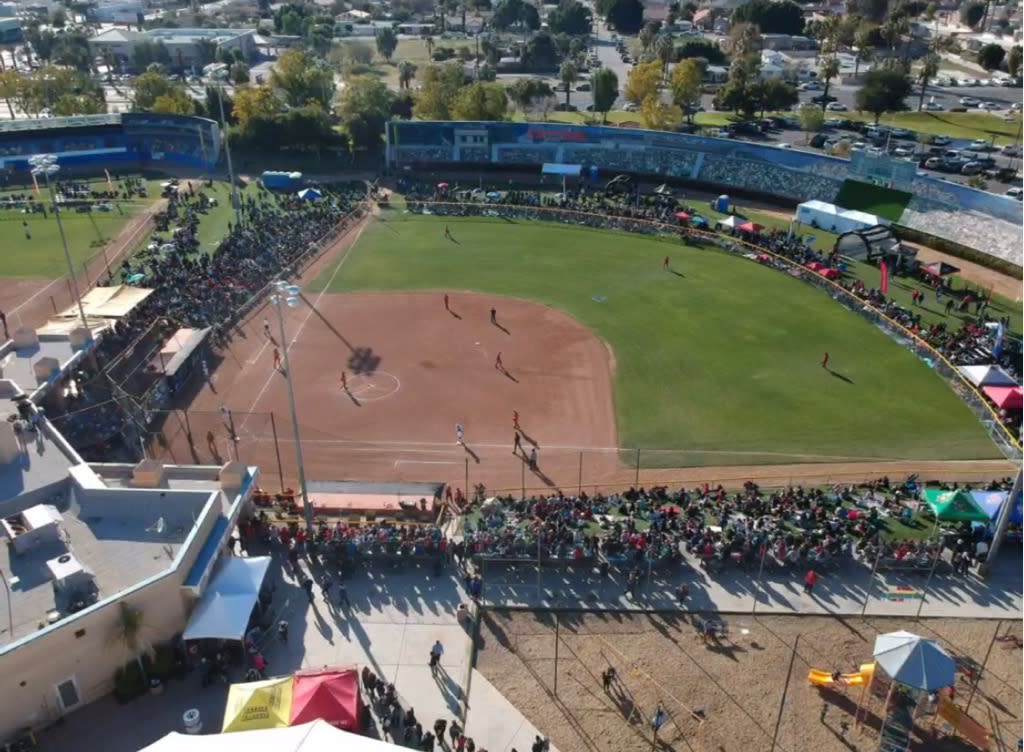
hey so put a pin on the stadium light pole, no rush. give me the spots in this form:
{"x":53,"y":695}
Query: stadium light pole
{"x":46,"y":165}
{"x":227,"y":153}
{"x":288,"y":295}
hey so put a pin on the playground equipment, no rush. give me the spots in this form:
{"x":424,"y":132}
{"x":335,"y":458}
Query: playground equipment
{"x":963,"y":724}
{"x":860,"y":678}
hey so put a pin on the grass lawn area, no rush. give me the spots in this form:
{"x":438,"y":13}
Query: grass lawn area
{"x":723,"y":359}
{"x":966,"y":125}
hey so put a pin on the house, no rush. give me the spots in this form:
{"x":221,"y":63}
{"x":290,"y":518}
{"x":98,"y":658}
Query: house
{"x":716,"y":74}
{"x":87,"y":543}
{"x":10,"y":31}
{"x":117,"y":11}
{"x":186,"y":46}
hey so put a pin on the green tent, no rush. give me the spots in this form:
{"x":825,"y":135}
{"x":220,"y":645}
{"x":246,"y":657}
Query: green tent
{"x":954,"y":506}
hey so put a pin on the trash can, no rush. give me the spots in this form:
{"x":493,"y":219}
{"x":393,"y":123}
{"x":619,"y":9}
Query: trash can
{"x":193,"y":724}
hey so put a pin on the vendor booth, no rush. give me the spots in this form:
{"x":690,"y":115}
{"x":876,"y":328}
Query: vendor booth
{"x":317,"y":736}
{"x":224,"y":610}
{"x":331,"y":695}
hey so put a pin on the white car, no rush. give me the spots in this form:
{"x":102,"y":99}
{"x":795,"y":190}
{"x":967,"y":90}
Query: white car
{"x":942,"y":140}
{"x":990,"y":106}
{"x":835,"y":107}
{"x":933,"y":107}
{"x":1017,"y":193}
{"x":629,"y":107}
{"x":810,"y":86}
{"x":903,"y":151}
{"x":969,"y":102}
{"x":980,"y":144}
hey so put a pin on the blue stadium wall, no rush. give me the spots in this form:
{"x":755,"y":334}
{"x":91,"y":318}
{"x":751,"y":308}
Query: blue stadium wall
{"x":783,"y":174}
{"x":98,"y":142}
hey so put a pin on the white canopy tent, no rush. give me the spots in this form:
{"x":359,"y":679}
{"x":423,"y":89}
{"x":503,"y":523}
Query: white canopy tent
{"x":316,"y":736}
{"x":729,"y":221}
{"x":835,"y":218}
{"x":223,"y":612}
{"x":987,"y":376}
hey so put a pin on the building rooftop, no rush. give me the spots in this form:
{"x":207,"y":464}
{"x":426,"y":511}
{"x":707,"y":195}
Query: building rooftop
{"x":188,"y":36}
{"x":103,"y":542}
{"x":112,"y":36}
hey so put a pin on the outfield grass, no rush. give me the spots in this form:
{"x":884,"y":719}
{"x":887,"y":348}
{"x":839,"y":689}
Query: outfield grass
{"x":724,"y":359}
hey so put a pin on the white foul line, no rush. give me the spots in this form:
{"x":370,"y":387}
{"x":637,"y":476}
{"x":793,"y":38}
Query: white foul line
{"x":302,"y":324}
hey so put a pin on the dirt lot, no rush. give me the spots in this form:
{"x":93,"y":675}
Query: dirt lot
{"x":736,"y":686}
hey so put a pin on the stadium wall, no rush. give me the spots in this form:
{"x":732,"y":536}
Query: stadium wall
{"x":981,"y":221}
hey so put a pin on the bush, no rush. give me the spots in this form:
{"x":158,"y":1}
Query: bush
{"x":129,"y":682}
{"x":163,"y":664}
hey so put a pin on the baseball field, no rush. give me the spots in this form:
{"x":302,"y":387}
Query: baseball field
{"x":716,"y":357}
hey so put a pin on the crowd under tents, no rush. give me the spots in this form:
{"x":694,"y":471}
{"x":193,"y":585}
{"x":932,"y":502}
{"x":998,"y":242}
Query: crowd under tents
{"x":316,"y":736}
{"x":982,"y":376}
{"x":224,"y":610}
{"x":992,"y":502}
{"x":1005,"y":397}
{"x":331,"y":695}
{"x":954,"y":506}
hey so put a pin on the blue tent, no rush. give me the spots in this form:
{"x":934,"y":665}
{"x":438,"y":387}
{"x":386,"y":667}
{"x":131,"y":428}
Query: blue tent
{"x":310,"y":194}
{"x":992,"y":502}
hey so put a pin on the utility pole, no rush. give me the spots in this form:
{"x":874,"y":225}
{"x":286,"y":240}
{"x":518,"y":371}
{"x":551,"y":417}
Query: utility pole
{"x":236,"y":202}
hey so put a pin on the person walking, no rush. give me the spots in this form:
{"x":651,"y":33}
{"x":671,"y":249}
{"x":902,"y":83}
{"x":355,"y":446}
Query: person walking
{"x":435,"y":656}
{"x":515,"y":419}
{"x":277,"y":359}
{"x":459,"y":434}
{"x":494,"y":316}
{"x":28,"y":233}
{"x":665,"y":264}
{"x":824,"y":361}
{"x":497,"y":362}
{"x":343,"y":596}
{"x":307,"y":585}
{"x":533,"y":458}
{"x":266,"y":328}
{"x":3,"y":320}
{"x":439,"y":726}
{"x":325,"y":587}
{"x":446,"y":303}
{"x":809,"y":581}
{"x":517,"y":445}
{"x":344,"y":382}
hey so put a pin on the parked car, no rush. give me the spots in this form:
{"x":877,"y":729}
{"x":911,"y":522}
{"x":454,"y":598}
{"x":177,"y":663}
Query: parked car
{"x":902,"y":151}
{"x":980,"y":144}
{"x":629,"y":107}
{"x":934,"y":163}
{"x":1011,"y":150}
{"x":818,"y":140}
{"x":969,"y":102}
{"x":991,"y":106}
{"x":971,"y":168}
{"x":583,"y":87}
{"x":810,"y":86}
{"x":933,"y":107}
{"x":942,"y":140}
{"x":901,"y":133}
{"x":835,"y":107}
{"x":1017,"y":193}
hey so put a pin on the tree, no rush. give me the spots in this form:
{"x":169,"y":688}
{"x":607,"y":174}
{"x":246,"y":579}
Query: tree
{"x":175,"y":102}
{"x":406,"y":73}
{"x":255,"y":103}
{"x":570,"y":17}
{"x":991,"y":56}
{"x":701,"y":48}
{"x":746,"y":39}
{"x":884,"y":90}
{"x":11,"y":85}
{"x":627,"y":16}
{"x":146,"y":53}
{"x":540,"y":53}
{"x":658,"y":115}
{"x":206,"y":52}
{"x":784,"y":17}
{"x":776,"y":95}
{"x":567,"y":75}
{"x":515,"y":13}
{"x":480,"y":101}
{"x":239,"y":74}
{"x":872,"y":10}
{"x":604,"y":87}
{"x":829,"y":70}
{"x":59,"y":18}
{"x":301,"y":79}
{"x":972,"y":13}
{"x":686,"y":84}
{"x":387,"y":43}
{"x":526,"y":92}
{"x":740,"y":94}
{"x":364,"y":108}
{"x":811,"y":118}
{"x":1013,"y":60}
{"x":150,"y":86}
{"x":439,"y":85}
{"x":893,"y":30}
{"x":929,"y":69}
{"x":128,"y":635}
{"x":865,"y":47}
{"x":72,"y":49}
{"x":214,"y":95}
{"x":642,"y":82}
{"x":665,"y":51}
{"x":648,"y":34}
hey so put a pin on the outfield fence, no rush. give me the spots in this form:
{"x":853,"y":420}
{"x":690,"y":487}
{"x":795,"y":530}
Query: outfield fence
{"x":1000,"y":435}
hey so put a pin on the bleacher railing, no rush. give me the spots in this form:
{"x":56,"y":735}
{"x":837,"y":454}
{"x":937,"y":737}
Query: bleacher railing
{"x":989,"y":418}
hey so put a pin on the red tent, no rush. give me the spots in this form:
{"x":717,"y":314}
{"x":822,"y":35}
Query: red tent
{"x":1005,"y":397}
{"x":750,"y":227}
{"x":331,"y":694}
{"x":683,"y":216}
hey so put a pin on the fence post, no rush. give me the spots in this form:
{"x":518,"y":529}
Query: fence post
{"x":785,"y":689}
{"x":277,"y":450}
{"x":468,"y":497}
{"x":984,"y":664}
{"x":580,"y":485}
{"x":637,"y":484}
{"x":557,"y":626}
{"x":522,"y":478}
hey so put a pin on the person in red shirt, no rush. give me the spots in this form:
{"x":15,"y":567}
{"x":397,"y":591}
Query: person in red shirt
{"x":809,"y":581}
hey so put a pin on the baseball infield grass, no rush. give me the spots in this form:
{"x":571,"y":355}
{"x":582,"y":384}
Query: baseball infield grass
{"x":720,"y":362}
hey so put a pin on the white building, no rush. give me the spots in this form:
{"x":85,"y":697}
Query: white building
{"x":86,"y":541}
{"x":184,"y":45}
{"x":118,"y":11}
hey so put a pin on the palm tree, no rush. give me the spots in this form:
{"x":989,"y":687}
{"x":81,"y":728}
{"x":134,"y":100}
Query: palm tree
{"x":829,"y":70}
{"x":647,"y":36}
{"x":929,"y":68}
{"x":665,"y":51}
{"x":406,"y":73}
{"x":865,"y":49}
{"x":128,"y":634}
{"x":428,"y":42}
{"x":567,"y":73}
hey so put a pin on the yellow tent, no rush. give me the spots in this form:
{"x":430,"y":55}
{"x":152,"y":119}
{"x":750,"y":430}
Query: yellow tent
{"x":259,"y":705}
